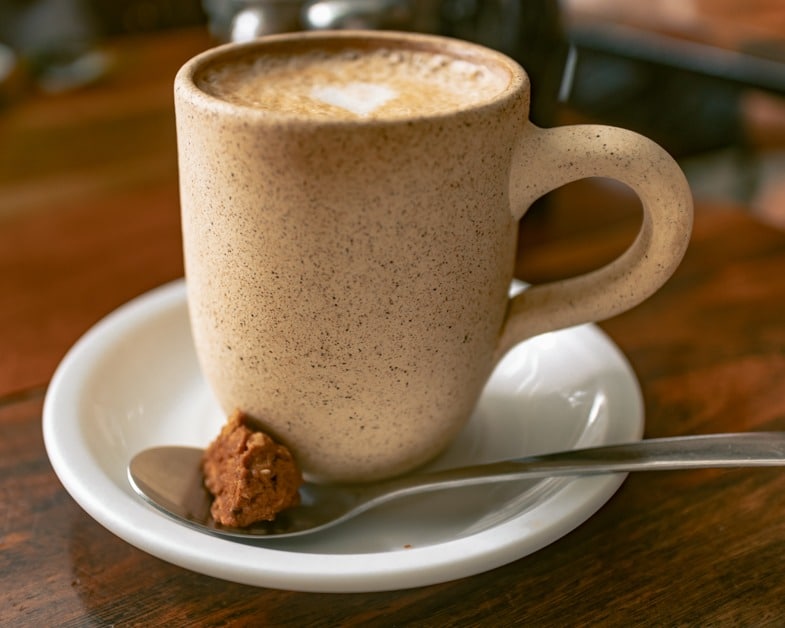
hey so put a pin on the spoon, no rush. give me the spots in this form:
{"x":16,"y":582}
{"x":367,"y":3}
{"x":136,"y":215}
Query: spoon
{"x":170,"y":478}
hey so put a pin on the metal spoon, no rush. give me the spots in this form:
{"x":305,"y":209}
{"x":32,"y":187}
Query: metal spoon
{"x":170,"y":478}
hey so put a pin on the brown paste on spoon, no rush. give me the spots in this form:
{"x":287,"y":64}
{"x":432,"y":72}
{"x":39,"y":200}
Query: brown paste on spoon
{"x":251,"y":477}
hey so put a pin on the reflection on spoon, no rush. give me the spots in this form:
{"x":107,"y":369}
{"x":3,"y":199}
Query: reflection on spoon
{"x":170,"y":478}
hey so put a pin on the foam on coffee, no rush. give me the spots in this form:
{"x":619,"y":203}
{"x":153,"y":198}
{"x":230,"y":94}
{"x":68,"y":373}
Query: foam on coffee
{"x":350,"y":84}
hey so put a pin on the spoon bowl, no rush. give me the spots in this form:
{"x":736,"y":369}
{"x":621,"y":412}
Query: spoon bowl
{"x":170,"y":478}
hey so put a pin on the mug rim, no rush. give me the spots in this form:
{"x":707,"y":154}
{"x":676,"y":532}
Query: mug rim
{"x":186,"y":87}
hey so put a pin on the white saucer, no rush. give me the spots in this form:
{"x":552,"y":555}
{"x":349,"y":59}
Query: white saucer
{"x":132,"y":382}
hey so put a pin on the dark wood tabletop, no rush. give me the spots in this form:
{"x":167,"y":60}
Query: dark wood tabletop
{"x":89,"y":218}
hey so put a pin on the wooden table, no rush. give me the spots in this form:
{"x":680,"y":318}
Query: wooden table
{"x":89,"y":219}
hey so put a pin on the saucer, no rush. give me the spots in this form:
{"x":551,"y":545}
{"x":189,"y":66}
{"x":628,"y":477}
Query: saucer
{"x":132,"y":382}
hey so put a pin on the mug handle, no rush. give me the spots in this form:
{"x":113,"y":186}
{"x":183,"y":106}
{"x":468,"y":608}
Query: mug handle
{"x":549,"y":158}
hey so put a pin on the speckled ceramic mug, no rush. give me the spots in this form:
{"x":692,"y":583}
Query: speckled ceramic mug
{"x":348,"y":268}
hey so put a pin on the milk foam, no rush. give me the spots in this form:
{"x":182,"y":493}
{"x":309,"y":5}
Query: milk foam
{"x":358,"y":98}
{"x":353,"y":84}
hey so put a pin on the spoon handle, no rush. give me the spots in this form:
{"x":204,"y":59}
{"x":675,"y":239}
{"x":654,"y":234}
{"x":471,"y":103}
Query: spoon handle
{"x":749,"y":449}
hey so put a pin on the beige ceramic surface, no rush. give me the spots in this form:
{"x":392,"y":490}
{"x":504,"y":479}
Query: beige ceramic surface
{"x":347,"y":279}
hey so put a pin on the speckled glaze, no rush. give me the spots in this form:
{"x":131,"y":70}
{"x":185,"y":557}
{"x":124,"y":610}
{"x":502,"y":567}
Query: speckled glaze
{"x":347,"y":280}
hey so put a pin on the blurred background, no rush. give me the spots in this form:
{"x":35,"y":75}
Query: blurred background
{"x":704,"y":78}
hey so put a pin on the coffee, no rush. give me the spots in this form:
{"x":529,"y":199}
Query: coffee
{"x":353,"y":84}
{"x":348,"y":280}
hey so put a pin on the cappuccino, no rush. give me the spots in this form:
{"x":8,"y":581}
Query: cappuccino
{"x":350,"y":207}
{"x":353,"y":84}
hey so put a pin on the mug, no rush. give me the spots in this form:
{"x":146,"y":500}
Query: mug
{"x":349,"y":247}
